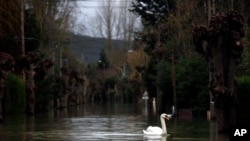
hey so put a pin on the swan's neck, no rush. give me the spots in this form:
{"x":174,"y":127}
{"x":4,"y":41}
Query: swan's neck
{"x":163,"y":125}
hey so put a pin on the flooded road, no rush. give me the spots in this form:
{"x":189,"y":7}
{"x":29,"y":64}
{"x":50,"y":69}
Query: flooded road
{"x":101,"y":122}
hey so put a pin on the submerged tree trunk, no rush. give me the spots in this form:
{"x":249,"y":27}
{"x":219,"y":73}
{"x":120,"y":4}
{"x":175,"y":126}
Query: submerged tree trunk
{"x":221,"y":46}
{"x":29,"y":62}
{"x":222,"y":71}
{"x":30,"y":85}
{"x":6,"y":65}
{"x":63,"y":98}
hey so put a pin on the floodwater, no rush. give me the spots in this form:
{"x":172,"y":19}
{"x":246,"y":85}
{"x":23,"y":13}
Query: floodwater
{"x":98,"y":122}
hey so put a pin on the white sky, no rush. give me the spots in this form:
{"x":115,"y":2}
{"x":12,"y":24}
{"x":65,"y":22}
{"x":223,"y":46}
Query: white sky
{"x":85,"y":13}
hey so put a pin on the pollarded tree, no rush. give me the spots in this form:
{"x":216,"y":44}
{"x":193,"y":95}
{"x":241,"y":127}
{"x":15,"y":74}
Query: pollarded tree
{"x":70,"y":82}
{"x":62,"y":98}
{"x":28,"y":64}
{"x":6,"y":66}
{"x":221,"y":45}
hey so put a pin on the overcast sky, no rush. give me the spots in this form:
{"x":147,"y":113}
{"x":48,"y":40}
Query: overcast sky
{"x":85,"y":13}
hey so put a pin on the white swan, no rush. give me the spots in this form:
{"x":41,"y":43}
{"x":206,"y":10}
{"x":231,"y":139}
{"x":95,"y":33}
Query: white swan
{"x":154,"y":130}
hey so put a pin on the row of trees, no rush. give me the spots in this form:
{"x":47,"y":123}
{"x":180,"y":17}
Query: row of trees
{"x":46,"y":35}
{"x":166,"y":38}
{"x":170,"y":58}
{"x":38,"y":61}
{"x":34,"y":36}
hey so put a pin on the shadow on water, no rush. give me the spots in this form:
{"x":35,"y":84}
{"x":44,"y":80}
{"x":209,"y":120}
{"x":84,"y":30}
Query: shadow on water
{"x":102,"y":122}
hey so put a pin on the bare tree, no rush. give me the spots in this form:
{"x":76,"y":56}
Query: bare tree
{"x":126,"y":22}
{"x":104,"y":21}
{"x":114,"y":21}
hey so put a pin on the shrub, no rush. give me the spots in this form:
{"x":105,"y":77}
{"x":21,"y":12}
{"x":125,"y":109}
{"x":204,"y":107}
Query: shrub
{"x":15,"y":96}
{"x":243,"y":90}
{"x":45,"y":91}
{"x":192,"y":80}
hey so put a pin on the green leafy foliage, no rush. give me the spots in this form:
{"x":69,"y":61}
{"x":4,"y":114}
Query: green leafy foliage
{"x":244,"y":66}
{"x":125,"y":90}
{"x":164,"y":82}
{"x":243,"y":104}
{"x":111,"y":81}
{"x":15,"y":97}
{"x":192,"y":81}
{"x":149,"y":77}
{"x":46,"y":91}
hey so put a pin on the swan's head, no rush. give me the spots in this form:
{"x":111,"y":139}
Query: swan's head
{"x":165,"y":116}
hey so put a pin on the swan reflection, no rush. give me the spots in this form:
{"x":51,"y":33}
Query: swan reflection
{"x":154,"y":138}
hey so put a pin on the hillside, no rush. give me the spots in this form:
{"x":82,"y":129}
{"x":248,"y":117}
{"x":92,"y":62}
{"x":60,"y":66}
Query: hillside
{"x":88,"y":48}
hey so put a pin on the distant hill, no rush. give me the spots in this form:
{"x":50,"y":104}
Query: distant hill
{"x":88,"y":48}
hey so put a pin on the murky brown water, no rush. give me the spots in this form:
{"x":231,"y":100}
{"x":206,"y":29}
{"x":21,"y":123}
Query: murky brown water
{"x":118,"y":122}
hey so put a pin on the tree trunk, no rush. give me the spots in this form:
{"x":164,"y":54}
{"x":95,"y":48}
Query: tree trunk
{"x":173,"y":81}
{"x":64,"y":101}
{"x":28,"y":63}
{"x":30,"y":85}
{"x":209,"y":11}
{"x":1,"y":101}
{"x":222,"y":70}
{"x":22,"y":28}
{"x":2,"y":82}
{"x":232,"y":4}
{"x":222,"y":47}
{"x":65,"y":92}
{"x":159,"y":104}
{"x":6,"y":66}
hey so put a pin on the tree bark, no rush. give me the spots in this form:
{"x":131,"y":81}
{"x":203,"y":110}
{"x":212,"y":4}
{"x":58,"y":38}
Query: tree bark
{"x":222,"y":47}
{"x":22,"y":29}
{"x":30,"y":85}
{"x":222,"y":70}
{"x":6,"y":66}
{"x":29,"y":64}
{"x":173,"y":81}
{"x":65,"y":92}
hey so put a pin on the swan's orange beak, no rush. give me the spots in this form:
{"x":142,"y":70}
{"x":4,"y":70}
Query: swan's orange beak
{"x":166,"y":117}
